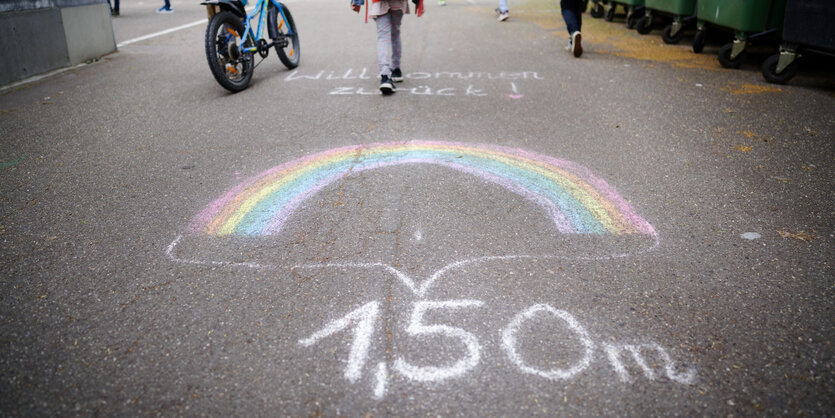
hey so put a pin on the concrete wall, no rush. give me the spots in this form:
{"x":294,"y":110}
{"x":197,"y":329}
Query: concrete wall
{"x":43,"y":35}
{"x":17,"y":5}
{"x":89,"y":32}
{"x":35,"y":43}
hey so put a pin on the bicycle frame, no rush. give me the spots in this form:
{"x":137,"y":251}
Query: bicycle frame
{"x":261,"y":10}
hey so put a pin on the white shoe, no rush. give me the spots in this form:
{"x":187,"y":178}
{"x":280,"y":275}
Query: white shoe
{"x":570,"y":46}
{"x":503,"y":16}
{"x":577,"y":44}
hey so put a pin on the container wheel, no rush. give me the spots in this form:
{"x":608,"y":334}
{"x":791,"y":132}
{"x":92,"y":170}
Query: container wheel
{"x":669,"y":39}
{"x":769,"y":69}
{"x":610,"y":13}
{"x":597,"y":11}
{"x":725,"y":57}
{"x":631,"y":20}
{"x":699,"y":41}
{"x":644,"y":25}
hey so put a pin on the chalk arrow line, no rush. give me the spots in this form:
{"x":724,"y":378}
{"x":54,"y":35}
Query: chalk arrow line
{"x":420,"y":289}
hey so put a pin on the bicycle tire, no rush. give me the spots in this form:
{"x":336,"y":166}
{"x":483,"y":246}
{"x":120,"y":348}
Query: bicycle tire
{"x":289,"y":55}
{"x":232,"y":72}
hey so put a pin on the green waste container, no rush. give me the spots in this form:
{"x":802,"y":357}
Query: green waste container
{"x":673,"y":7}
{"x":633,"y":8}
{"x":680,"y":10}
{"x":748,"y":19}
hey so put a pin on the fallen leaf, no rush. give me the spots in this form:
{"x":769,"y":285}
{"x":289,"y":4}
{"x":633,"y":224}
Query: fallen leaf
{"x":746,"y":88}
{"x":800,"y":236}
{"x":743,"y":148}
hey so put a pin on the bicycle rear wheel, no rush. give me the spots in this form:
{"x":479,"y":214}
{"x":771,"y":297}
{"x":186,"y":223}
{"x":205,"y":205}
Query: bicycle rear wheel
{"x":281,"y":30}
{"x":231,"y":68}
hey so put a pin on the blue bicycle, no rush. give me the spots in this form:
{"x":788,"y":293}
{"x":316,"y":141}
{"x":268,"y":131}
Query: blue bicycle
{"x":232,"y":42}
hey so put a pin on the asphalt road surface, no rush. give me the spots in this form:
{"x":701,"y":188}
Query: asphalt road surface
{"x":514,"y":232}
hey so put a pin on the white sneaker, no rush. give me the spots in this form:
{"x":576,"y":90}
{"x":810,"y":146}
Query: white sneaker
{"x":570,"y":46}
{"x":577,"y":44}
{"x":503,"y":16}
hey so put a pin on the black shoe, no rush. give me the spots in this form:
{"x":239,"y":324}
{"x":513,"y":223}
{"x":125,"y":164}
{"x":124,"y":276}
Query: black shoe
{"x":396,"y":75}
{"x":386,"y":86}
{"x":114,"y":12}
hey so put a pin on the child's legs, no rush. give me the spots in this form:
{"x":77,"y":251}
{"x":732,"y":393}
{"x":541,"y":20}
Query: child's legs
{"x":503,"y":6}
{"x":571,"y":15}
{"x":396,"y":46}
{"x":384,"y":42}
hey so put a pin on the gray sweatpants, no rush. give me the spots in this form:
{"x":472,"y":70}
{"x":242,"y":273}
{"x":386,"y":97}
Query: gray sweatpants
{"x":388,"y":41}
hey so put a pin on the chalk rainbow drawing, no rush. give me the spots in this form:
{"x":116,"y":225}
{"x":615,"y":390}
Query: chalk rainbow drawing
{"x":577,"y":201}
{"x":574,"y":199}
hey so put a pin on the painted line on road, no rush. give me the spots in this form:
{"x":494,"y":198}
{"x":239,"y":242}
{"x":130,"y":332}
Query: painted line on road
{"x":35,"y":78}
{"x":165,"y":32}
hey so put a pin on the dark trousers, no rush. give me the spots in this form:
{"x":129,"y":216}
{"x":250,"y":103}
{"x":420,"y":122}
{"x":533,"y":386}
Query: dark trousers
{"x":572,"y":14}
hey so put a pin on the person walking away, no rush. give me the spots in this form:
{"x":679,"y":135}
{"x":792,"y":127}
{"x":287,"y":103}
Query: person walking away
{"x":166,"y":8}
{"x":501,"y":12}
{"x":388,"y":14}
{"x":572,"y":14}
{"x":114,"y":7}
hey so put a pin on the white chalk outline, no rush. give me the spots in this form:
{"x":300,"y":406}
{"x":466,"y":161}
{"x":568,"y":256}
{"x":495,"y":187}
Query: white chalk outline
{"x":419,"y":289}
{"x":382,"y":378}
{"x":613,"y":353}
{"x":366,"y":316}
{"x":509,"y":343}
{"x":418,"y":328}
